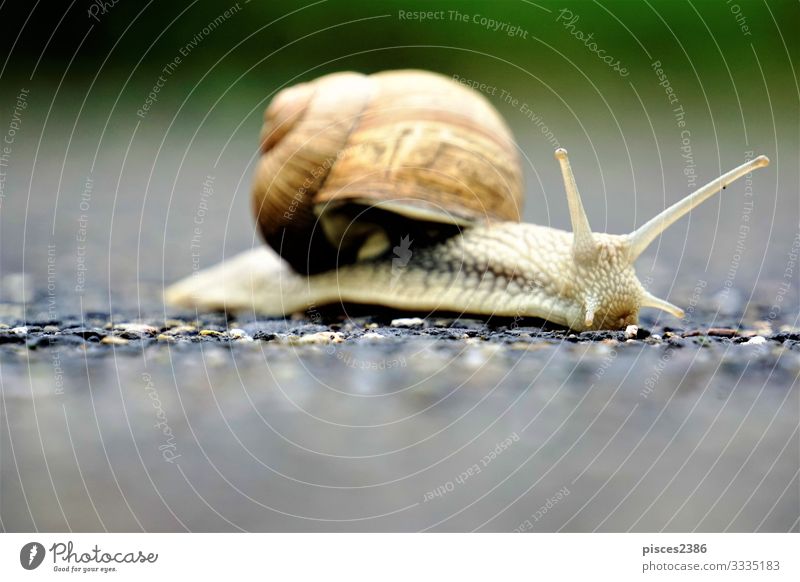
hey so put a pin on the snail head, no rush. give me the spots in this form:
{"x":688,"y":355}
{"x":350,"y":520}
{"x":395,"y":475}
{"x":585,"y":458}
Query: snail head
{"x":605,"y":287}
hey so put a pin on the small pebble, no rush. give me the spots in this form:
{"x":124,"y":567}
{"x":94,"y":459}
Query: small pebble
{"x":631,"y":331}
{"x":50,"y":329}
{"x":11,"y":338}
{"x":323,"y":337}
{"x":210,"y":333}
{"x":721,"y":332}
{"x":86,"y":333}
{"x":408,"y":322}
{"x":239,"y":335}
{"x":114,"y":340}
{"x":372,"y":336}
{"x":162,"y":337}
{"x":756,"y":340}
{"x":141,"y":328}
{"x":181,"y":330}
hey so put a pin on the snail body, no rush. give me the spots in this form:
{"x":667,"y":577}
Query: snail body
{"x":410,"y":199}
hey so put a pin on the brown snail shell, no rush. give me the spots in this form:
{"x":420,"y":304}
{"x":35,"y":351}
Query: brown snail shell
{"x":417,"y":146}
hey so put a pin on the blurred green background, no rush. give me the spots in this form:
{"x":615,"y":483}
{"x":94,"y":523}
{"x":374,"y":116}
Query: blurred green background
{"x":89,"y":69}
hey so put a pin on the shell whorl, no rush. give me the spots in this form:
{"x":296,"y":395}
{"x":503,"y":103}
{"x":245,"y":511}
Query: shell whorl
{"x":305,"y":129}
{"x":414,"y":143}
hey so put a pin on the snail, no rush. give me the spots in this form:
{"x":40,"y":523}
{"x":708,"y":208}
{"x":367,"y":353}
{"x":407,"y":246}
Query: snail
{"x":403,"y":189}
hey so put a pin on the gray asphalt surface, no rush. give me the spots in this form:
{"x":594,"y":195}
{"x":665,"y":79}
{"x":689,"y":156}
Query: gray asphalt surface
{"x":356,"y":424}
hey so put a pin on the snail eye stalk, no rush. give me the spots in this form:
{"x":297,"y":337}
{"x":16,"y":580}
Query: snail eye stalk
{"x":583,"y":244}
{"x":643,"y":236}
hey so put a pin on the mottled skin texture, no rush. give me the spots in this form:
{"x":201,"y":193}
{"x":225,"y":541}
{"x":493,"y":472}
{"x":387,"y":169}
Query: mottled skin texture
{"x":509,"y":269}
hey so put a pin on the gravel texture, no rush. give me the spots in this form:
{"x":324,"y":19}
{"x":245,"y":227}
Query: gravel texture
{"x":98,"y":333}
